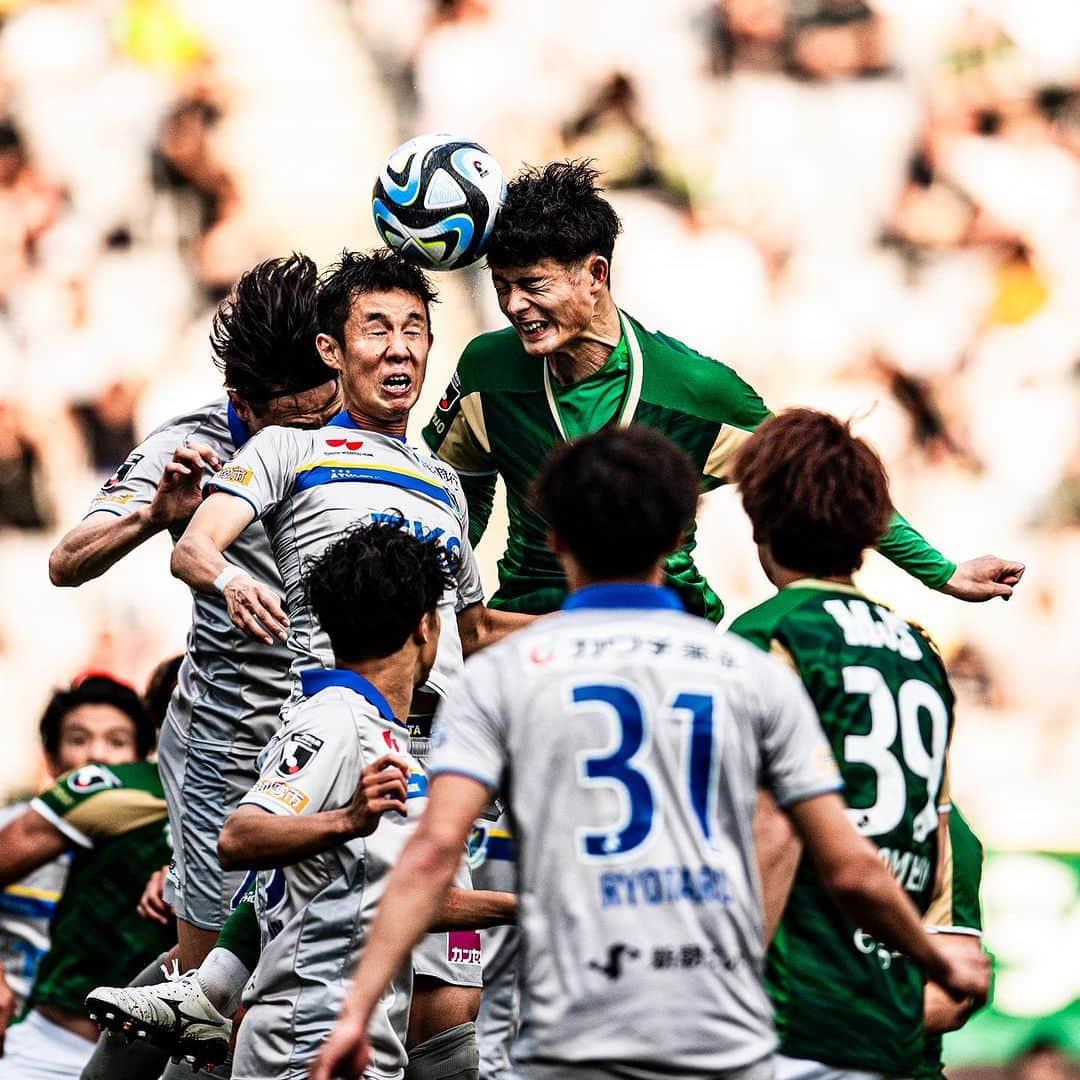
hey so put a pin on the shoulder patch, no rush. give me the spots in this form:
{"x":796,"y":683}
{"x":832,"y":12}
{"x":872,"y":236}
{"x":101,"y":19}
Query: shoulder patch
{"x":451,"y":397}
{"x":117,"y":477}
{"x":92,"y":778}
{"x":299,"y":751}
{"x":234,"y":474}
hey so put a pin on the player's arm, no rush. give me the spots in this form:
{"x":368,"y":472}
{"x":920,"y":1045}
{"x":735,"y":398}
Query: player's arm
{"x":9,"y":1005}
{"x":198,"y":560}
{"x":27,"y":842}
{"x":104,"y":538}
{"x":778,"y":850}
{"x":942,"y":1012}
{"x":865,"y":890}
{"x":475,"y":909}
{"x":404,"y":915}
{"x":255,"y":839}
{"x":480,"y":626}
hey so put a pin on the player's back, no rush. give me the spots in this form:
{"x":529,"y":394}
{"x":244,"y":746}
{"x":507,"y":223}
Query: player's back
{"x":635,"y":737}
{"x":886,"y":707}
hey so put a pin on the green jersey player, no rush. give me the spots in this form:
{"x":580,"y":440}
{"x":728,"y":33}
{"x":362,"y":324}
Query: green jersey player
{"x":110,"y":812}
{"x":817,"y":498}
{"x":572,"y":362}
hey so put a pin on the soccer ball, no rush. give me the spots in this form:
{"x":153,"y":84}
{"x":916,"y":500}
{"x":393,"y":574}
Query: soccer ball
{"x":435,"y":201}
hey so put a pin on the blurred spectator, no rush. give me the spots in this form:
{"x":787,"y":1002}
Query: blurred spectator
{"x":23,"y":503}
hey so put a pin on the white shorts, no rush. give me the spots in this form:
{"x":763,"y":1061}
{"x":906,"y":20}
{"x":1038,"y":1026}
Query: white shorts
{"x":788,"y":1068}
{"x":38,"y":1049}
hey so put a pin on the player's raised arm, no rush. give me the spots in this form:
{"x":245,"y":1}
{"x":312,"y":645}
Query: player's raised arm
{"x":198,"y":560}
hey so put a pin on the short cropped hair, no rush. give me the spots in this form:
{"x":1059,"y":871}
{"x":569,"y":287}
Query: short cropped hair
{"x":619,"y":499}
{"x":817,"y":495}
{"x":97,"y":690}
{"x":264,"y":334}
{"x":370,"y":588}
{"x":556,"y":212}
{"x":358,"y":272}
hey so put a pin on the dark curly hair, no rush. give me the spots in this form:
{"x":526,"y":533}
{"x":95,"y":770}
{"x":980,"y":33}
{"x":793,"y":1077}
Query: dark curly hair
{"x":97,"y":690}
{"x":263,"y":335}
{"x":370,"y":587}
{"x":554,"y":212}
{"x":358,"y":272}
{"x":618,"y":499}
{"x":816,"y":495}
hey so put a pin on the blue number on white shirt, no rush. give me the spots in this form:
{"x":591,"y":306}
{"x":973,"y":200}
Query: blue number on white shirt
{"x":624,"y":766}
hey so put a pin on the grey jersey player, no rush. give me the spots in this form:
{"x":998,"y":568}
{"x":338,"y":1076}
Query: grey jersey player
{"x":230,"y":686}
{"x":337,"y":798}
{"x":648,"y":736}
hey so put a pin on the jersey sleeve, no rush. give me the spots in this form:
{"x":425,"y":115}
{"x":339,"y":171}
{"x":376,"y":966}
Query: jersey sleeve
{"x":797,"y":761}
{"x":907,"y":548}
{"x":469,"y":733}
{"x":956,"y":909}
{"x":457,"y":433}
{"x":135,"y":481}
{"x":95,"y":803}
{"x":306,"y":763}
{"x":262,"y":473}
{"x":738,"y":408}
{"x":469,"y":588}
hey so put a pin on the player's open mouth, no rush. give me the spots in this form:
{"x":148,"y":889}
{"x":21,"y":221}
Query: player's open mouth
{"x":397,"y":385}
{"x":534,"y":328}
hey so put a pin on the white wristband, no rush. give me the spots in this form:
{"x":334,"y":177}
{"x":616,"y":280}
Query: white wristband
{"x":226,"y":576}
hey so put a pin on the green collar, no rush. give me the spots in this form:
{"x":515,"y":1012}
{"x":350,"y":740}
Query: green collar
{"x":633,"y":384}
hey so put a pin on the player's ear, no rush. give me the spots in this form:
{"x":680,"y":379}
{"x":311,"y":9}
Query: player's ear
{"x":329,"y":350}
{"x":599,"y":272}
{"x":241,"y":407}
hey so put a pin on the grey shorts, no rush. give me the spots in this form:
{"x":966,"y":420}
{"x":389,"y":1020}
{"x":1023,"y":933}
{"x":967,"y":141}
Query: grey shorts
{"x":760,"y":1070}
{"x":203,"y":781}
{"x":788,"y":1068}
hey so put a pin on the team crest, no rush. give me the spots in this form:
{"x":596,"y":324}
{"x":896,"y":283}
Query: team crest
{"x":121,"y":473}
{"x":477,"y":846}
{"x":298,"y":752}
{"x":450,"y":398}
{"x":91,"y":778}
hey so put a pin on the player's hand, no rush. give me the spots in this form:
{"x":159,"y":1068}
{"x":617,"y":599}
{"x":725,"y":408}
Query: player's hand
{"x":179,"y":490}
{"x":8,"y":1007}
{"x":967,"y":977}
{"x":152,"y":903}
{"x":346,"y":1053}
{"x":383,"y":786}
{"x":984,"y":578}
{"x":256,"y":609}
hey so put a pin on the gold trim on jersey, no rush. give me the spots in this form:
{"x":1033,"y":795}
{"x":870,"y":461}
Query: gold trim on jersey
{"x":472,"y":408}
{"x":329,"y":463}
{"x":116,"y":811}
{"x":461,"y":446}
{"x":729,"y":441}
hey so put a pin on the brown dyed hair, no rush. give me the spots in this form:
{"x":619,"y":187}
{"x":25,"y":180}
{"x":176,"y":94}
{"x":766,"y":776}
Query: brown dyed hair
{"x":816,"y":495}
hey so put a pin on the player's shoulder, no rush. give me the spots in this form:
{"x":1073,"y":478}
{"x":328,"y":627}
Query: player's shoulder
{"x":208,"y":421}
{"x":101,"y":801}
{"x":678,"y":376}
{"x":760,"y":624}
{"x":496,"y":361}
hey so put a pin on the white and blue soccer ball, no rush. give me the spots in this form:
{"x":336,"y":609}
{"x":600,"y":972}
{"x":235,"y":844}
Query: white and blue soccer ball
{"x":435,"y":200}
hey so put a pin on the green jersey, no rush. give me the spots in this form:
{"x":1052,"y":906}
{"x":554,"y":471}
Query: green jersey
{"x":115,"y":818}
{"x":503,"y":412}
{"x":955,"y":910}
{"x":886,"y":707}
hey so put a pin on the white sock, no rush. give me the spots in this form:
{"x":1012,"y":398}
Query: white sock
{"x":222,"y":976}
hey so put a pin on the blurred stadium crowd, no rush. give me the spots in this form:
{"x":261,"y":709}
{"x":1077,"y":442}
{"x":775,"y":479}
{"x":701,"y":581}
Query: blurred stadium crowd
{"x":869,"y":207}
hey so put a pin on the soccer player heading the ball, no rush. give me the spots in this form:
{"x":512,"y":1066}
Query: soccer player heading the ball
{"x":572,"y":362}
{"x":671,"y":727}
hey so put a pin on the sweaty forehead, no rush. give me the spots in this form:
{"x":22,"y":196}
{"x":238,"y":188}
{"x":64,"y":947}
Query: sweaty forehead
{"x":392,"y":305}
{"x":542,"y":268}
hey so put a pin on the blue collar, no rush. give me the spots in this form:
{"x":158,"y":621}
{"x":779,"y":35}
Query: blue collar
{"x":623,"y":596}
{"x":322,"y":678}
{"x":237,"y":428}
{"x":343,"y":419}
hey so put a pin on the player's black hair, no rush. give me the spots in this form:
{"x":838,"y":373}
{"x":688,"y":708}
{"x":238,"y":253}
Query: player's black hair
{"x":96,"y":690}
{"x":555,"y":212}
{"x":160,"y":687}
{"x":816,"y":495}
{"x":358,"y":272}
{"x":618,"y":499}
{"x":264,"y":333}
{"x":370,"y":588}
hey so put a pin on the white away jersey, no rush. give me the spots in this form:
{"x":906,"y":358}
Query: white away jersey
{"x":631,"y":740}
{"x":230,"y":687}
{"x":315,"y":914}
{"x":308,"y":487}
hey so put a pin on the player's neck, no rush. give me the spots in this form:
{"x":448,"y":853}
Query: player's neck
{"x":587,"y":353}
{"x":380,"y":426}
{"x":576,"y":578}
{"x":782,"y":576}
{"x":393,"y":676}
